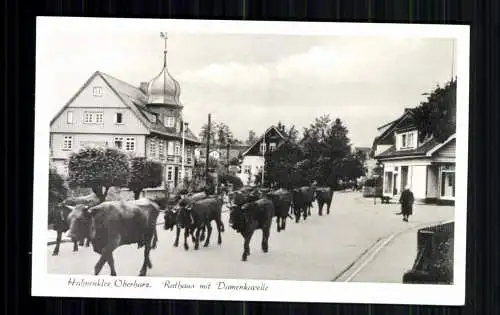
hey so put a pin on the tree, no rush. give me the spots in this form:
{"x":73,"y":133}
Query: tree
{"x":57,"y":188}
{"x":99,"y":169}
{"x":144,"y":174}
{"x":290,"y":134}
{"x":224,"y":134}
{"x":281,"y":166}
{"x":213,"y":132}
{"x":252,"y":137}
{"x":437,"y":115}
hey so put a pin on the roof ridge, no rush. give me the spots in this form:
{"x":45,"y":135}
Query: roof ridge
{"x":121,"y":81}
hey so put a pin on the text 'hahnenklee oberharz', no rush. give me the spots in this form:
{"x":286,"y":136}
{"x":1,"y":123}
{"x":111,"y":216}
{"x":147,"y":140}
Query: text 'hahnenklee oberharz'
{"x":167,"y":284}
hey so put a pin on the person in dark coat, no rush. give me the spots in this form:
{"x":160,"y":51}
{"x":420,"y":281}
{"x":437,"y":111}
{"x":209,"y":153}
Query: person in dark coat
{"x":406,"y":200}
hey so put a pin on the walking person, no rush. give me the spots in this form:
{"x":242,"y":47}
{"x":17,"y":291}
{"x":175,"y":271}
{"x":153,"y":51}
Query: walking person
{"x":406,"y":200}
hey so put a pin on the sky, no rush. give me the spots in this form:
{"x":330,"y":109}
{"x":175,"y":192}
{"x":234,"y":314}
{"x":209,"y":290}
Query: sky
{"x":252,"y":81}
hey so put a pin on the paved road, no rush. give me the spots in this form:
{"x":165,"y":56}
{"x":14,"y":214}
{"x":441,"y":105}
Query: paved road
{"x":315,"y":250}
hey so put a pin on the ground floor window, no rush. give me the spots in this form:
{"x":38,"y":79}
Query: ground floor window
{"x":170,"y":173}
{"x":448,"y":181}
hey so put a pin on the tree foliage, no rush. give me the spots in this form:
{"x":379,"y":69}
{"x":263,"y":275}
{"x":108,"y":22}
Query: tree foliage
{"x":323,"y":155}
{"x":57,"y":188}
{"x":437,"y":115}
{"x":220,"y":134}
{"x":99,"y":169}
{"x":252,"y":137}
{"x":291,"y":134}
{"x":144,"y":174}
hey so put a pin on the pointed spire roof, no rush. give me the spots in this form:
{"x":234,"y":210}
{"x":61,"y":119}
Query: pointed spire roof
{"x":164,"y":89}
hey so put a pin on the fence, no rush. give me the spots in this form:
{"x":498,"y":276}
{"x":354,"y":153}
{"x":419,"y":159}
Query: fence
{"x":434,"y":261}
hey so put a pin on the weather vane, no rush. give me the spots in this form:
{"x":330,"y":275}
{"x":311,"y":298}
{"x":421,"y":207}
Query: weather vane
{"x":163,"y":35}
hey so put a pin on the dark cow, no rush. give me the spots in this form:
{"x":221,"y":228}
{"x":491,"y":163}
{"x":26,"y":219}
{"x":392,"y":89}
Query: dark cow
{"x":71,"y":214}
{"x":197,"y":217}
{"x":324,"y":196}
{"x":244,"y":195}
{"x":252,"y":216}
{"x":172,"y":217}
{"x":117,"y":223}
{"x":302,"y":202}
{"x":282,"y":201}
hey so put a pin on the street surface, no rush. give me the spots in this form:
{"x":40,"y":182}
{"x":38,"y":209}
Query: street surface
{"x":315,"y":250}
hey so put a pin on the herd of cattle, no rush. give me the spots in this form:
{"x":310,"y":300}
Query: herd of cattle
{"x":110,"y":224}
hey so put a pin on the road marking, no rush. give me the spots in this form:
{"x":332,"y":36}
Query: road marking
{"x":371,"y":257}
{"x":376,"y":248}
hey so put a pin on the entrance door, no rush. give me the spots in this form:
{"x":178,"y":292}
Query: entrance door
{"x":404,"y":177}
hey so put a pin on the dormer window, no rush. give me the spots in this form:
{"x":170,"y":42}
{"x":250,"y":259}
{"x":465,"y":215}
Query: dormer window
{"x":169,"y":121}
{"x":407,"y":140}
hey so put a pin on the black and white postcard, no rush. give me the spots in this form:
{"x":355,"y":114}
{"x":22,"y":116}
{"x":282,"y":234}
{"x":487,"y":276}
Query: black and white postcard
{"x":243,"y":160}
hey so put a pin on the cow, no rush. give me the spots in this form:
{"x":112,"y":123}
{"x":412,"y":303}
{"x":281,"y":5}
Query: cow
{"x":118,"y":223}
{"x":197,"y":217}
{"x":172,"y":216}
{"x":324,"y":196}
{"x":252,"y":216}
{"x":71,"y":214}
{"x":302,"y":202}
{"x":282,"y":200}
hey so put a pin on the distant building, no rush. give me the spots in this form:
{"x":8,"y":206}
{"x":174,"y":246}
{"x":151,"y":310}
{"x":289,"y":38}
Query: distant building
{"x":427,"y":166}
{"x":369,"y":163}
{"x":253,"y":156}
{"x":142,"y":121}
{"x":220,"y":153}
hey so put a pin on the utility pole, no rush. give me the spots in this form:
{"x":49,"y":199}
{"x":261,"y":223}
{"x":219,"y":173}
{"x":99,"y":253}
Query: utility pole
{"x":227,"y":156}
{"x":208,"y":146}
{"x":183,"y":150}
{"x":263,"y":145}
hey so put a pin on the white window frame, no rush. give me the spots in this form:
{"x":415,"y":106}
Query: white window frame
{"x":152,"y":148}
{"x":272,"y":146}
{"x":247,"y":169}
{"x":67,"y":143}
{"x":263,"y":147}
{"x":118,"y":140}
{"x":130,"y":144}
{"x":161,"y":149}
{"x":97,"y":91}
{"x":93,"y":117}
{"x":169,"y":121}
{"x":69,"y":117}
{"x":170,"y":174}
{"x":177,"y":149}
{"x":404,"y":140}
{"x":116,"y":118}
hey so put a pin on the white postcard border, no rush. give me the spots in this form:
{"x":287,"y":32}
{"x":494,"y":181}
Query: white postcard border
{"x":44,"y":284}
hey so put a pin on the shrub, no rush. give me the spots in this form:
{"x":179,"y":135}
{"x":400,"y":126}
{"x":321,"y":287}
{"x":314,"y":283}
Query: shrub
{"x":144,"y":174}
{"x":98,"y":169}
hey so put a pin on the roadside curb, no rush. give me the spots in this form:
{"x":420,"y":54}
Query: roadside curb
{"x":370,"y":253}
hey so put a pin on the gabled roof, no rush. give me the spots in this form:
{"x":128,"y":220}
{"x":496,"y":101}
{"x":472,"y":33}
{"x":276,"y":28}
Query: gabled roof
{"x":427,"y":149}
{"x":134,"y":99}
{"x":262,"y":137}
{"x":393,"y":125}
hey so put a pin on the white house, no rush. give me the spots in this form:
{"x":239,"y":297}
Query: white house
{"x":143,"y":121}
{"x":427,"y":166}
{"x":253,"y":156}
